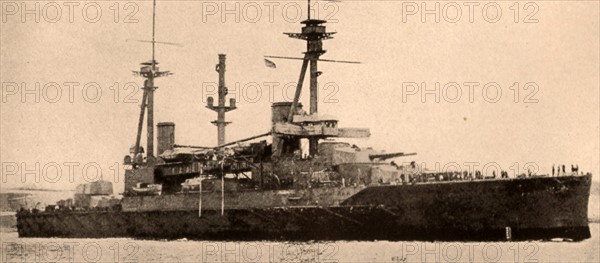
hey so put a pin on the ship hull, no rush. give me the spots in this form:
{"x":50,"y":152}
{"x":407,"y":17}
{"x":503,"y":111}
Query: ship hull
{"x":487,"y":210}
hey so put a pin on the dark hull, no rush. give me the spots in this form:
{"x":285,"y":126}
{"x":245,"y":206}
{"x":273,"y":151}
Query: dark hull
{"x":531,"y":208}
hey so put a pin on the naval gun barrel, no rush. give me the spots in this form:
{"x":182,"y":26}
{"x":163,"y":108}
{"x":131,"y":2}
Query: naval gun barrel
{"x":385,"y":156}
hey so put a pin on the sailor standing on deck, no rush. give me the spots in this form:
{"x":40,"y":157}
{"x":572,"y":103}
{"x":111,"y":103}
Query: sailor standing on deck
{"x":572,"y":168}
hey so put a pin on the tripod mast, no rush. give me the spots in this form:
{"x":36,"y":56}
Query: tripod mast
{"x":149,"y":71}
{"x":313,"y":33}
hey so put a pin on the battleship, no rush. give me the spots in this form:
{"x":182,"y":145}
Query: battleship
{"x":260,"y":189}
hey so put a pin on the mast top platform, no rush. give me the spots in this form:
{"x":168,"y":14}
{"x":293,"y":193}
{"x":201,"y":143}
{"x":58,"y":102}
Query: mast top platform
{"x":149,"y":63}
{"x":313,"y":22}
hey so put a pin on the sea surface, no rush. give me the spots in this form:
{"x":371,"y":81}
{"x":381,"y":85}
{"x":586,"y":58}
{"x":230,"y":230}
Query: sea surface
{"x":15,"y":249}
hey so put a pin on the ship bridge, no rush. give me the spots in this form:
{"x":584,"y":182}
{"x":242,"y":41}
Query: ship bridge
{"x":317,"y":125}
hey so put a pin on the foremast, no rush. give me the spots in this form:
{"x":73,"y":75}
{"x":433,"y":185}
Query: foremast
{"x":149,"y":71}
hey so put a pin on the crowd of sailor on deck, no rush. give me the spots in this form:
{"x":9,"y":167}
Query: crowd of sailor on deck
{"x":557,"y":170}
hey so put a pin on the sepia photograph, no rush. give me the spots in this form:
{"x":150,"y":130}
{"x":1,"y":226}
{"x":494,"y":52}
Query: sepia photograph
{"x":300,"y":131}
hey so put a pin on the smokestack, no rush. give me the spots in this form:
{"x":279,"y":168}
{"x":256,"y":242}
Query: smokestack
{"x":166,"y":136}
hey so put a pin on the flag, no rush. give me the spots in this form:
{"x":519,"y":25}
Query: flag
{"x":270,"y":64}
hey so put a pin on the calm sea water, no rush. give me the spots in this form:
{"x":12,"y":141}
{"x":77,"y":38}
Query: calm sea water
{"x":16,"y":249}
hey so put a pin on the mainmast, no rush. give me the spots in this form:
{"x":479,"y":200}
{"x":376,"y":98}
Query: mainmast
{"x":221,"y":109}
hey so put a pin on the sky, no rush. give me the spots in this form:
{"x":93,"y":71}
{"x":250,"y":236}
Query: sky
{"x":527,"y":75}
